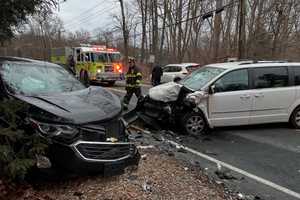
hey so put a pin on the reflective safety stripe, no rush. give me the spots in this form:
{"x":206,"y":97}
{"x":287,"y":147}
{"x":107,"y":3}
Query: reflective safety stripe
{"x":133,"y":85}
{"x":131,"y":75}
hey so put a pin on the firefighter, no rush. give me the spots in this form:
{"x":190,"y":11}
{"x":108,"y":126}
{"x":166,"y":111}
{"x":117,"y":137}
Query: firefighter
{"x":71,"y":64}
{"x":133,"y":83}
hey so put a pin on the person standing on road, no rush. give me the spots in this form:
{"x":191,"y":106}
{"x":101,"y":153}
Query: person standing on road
{"x":157,"y":72}
{"x":133,"y":83}
{"x":71,"y":64}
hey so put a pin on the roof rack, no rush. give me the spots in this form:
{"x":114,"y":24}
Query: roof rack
{"x":263,"y":61}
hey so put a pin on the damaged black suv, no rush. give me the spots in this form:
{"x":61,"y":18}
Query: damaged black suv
{"x":84,"y":125}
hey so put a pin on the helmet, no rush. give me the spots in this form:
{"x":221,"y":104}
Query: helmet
{"x":131,"y":59}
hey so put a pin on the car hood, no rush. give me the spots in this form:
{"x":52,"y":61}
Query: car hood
{"x":166,"y":92}
{"x":84,"y":106}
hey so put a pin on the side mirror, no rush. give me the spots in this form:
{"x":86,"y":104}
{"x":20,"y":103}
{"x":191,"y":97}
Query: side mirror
{"x":211,"y":89}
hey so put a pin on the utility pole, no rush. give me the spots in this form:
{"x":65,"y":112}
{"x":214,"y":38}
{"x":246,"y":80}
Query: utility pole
{"x":217,"y":30}
{"x":242,"y":30}
{"x":125,"y":31}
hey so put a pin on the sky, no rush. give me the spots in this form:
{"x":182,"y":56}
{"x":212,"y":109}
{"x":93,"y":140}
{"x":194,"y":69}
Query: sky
{"x":88,"y":14}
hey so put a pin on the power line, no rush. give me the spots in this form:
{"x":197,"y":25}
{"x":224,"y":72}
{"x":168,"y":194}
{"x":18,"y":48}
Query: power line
{"x":84,"y":13}
{"x":88,"y":18}
{"x":203,"y":16}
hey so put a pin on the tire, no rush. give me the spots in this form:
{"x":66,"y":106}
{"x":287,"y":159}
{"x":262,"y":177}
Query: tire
{"x":295,"y":118}
{"x":194,"y":124}
{"x":111,"y":83}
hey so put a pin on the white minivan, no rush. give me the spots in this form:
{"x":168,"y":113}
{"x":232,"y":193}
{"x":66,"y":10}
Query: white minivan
{"x":237,"y":93}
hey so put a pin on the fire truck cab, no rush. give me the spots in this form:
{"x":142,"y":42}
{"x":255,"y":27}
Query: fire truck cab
{"x":93,"y":63}
{"x":98,"y":64}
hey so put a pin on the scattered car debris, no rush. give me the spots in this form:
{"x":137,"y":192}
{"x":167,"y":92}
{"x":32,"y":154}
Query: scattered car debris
{"x":181,"y":149}
{"x":144,"y":157}
{"x":146,"y":147}
{"x":147,"y":187}
{"x":157,"y":138}
{"x":240,"y":196}
{"x":210,"y":153}
{"x":225,"y":175}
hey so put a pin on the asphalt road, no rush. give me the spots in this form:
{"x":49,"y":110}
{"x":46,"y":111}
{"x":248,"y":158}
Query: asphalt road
{"x":271,"y":152}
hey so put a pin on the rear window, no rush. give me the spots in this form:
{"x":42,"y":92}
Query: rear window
{"x":271,"y":77}
{"x":172,"y":69}
{"x":192,"y":68}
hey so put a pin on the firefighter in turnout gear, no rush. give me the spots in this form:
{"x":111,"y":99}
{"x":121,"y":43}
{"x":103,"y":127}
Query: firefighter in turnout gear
{"x":133,"y":83}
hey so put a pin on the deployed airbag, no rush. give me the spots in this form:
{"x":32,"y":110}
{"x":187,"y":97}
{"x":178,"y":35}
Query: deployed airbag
{"x":166,"y":92}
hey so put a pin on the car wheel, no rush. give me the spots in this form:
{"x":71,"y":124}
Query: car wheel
{"x":194,"y":124}
{"x":111,"y":83}
{"x":295,"y":118}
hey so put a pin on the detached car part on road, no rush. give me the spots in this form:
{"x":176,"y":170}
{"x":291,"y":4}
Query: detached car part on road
{"x":84,"y":126}
{"x":227,"y":94}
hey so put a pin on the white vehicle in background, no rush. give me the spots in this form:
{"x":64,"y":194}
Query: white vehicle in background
{"x":177,"y":72}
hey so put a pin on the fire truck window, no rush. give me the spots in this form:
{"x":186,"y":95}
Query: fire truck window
{"x":87,"y":57}
{"x":92,"y":57}
{"x":81,"y":58}
{"x":101,"y":57}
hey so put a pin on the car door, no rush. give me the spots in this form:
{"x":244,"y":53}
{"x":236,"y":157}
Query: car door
{"x":273,"y":95}
{"x":231,"y":102}
{"x":168,"y":74}
{"x":164,"y":78}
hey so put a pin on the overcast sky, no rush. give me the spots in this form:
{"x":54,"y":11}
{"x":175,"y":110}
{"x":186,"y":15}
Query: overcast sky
{"x":88,"y":14}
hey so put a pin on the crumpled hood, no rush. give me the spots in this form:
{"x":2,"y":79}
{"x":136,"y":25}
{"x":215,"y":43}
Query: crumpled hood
{"x":166,"y":92}
{"x":84,"y":106}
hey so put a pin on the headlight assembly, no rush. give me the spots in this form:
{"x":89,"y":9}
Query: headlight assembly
{"x":52,"y":130}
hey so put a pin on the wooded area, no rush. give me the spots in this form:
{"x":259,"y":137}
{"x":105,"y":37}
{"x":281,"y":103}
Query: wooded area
{"x":201,"y":31}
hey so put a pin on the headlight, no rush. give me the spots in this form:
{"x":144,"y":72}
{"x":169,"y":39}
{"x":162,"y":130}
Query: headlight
{"x":52,"y":130}
{"x":98,"y":70}
{"x":191,"y":101}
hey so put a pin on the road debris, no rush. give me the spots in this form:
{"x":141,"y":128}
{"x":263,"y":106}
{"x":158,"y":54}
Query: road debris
{"x":147,"y":186}
{"x":225,"y":175}
{"x":144,"y":157}
{"x":240,"y":196}
{"x":146,"y":147}
{"x":158,"y":177}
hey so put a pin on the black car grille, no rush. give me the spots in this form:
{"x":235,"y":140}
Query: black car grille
{"x":108,"y":68}
{"x":99,"y":132}
{"x":102,"y":151}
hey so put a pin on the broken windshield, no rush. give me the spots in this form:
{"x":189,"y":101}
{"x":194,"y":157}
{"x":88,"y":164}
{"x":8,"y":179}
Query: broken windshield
{"x":201,"y":77}
{"x":32,"y":79}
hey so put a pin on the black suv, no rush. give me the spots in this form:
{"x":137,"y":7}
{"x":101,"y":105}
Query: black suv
{"x":84,"y":125}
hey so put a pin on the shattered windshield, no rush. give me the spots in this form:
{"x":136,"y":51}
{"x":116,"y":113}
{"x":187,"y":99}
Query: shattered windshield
{"x":32,"y":79}
{"x":201,"y":77}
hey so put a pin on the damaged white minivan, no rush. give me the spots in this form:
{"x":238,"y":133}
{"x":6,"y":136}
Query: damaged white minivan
{"x":227,"y":94}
